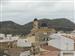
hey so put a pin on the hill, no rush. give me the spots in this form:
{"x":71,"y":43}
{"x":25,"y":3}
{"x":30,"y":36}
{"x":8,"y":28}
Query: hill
{"x":9,"y":27}
{"x":60,"y":24}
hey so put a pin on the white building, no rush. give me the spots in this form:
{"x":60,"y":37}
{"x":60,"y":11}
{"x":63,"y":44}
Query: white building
{"x":23,"y":43}
{"x":19,"y":42}
{"x":66,"y":45}
{"x":2,"y":36}
{"x":61,"y":42}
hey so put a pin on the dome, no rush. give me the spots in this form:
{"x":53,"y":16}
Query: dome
{"x":44,"y":25}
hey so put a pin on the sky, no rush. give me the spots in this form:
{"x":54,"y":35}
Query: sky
{"x":24,"y":11}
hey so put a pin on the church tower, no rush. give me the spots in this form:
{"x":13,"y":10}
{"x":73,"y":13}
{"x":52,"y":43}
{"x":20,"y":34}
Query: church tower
{"x":35,"y":24}
{"x":35,"y":27}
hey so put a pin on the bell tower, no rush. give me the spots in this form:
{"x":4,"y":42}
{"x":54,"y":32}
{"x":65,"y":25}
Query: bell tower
{"x":35,"y":24}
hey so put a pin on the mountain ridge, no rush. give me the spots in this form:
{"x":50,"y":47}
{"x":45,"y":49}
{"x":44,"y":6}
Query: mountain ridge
{"x":10,"y":27}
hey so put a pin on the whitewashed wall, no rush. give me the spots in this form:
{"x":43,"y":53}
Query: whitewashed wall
{"x":2,"y":35}
{"x":23,"y":43}
{"x":26,"y":53}
{"x":61,"y":42}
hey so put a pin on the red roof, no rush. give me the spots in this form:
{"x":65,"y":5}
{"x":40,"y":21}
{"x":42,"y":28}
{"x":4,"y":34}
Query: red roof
{"x":49,"y":48}
{"x":52,"y":51}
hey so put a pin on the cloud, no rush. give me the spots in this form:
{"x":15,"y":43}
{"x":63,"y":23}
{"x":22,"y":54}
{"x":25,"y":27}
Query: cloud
{"x":23,"y":11}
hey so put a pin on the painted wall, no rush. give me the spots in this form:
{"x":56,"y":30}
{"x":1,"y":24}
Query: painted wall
{"x":61,"y":42}
{"x":23,"y":43}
